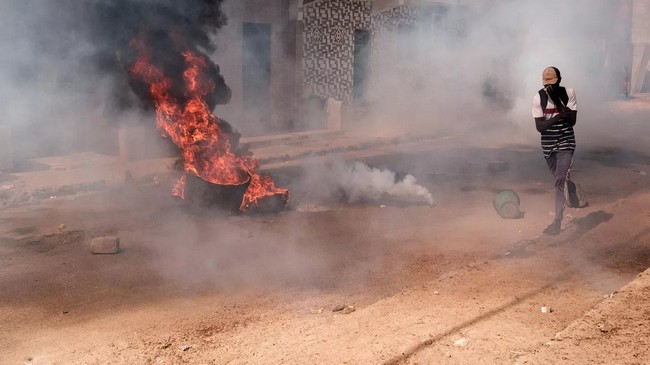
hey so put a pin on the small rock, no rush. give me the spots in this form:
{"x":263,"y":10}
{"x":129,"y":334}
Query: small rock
{"x":185,"y":347}
{"x":546,"y":309}
{"x":461,"y":342}
{"x":382,"y":206}
{"x":61,"y":227}
{"x":448,"y":355}
{"x":316,"y":311}
{"x":435,"y":292}
{"x":105,"y":245}
{"x":643,"y":173}
{"x":348,"y":309}
{"x":339,"y":308}
{"x":603,"y":327}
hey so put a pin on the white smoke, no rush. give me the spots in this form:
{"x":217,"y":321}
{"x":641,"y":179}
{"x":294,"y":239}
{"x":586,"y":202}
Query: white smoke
{"x":356,"y":182}
{"x":361,"y":182}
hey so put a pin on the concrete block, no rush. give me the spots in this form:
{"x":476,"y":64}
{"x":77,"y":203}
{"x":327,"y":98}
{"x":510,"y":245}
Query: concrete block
{"x":333,"y":114}
{"x":640,"y":60}
{"x":6,"y":153}
{"x":640,"y":32}
{"x":105,"y":245}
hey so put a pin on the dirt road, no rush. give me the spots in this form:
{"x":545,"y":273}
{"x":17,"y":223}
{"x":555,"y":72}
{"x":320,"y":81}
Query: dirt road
{"x":451,"y":283}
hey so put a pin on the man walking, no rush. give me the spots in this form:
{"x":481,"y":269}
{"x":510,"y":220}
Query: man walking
{"x":555,"y":111}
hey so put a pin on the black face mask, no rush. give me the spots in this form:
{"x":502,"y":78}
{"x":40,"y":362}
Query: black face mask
{"x":552,"y":87}
{"x":553,"y":92}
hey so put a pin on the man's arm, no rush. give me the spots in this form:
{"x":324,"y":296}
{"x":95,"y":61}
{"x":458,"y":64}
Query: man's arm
{"x":572,"y":105}
{"x":571,"y":119}
{"x":566,"y":115}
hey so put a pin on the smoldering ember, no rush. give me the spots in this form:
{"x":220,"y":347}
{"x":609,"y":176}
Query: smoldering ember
{"x":324,"y":182}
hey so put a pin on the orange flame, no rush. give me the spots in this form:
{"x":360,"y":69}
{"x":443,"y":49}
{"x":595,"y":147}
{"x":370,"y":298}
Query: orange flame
{"x":206,"y":150}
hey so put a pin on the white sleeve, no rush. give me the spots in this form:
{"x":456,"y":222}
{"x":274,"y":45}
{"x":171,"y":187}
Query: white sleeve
{"x":537,"y":107}
{"x":572,"y":103}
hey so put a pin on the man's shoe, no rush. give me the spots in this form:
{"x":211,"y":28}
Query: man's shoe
{"x":553,"y":228}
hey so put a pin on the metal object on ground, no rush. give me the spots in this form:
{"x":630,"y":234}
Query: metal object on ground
{"x":201,"y":193}
{"x":506,"y":203}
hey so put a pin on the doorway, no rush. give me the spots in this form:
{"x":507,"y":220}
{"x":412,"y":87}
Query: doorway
{"x":257,"y":71}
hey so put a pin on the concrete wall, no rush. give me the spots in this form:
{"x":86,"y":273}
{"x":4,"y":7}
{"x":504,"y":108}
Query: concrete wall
{"x":641,"y":22}
{"x":229,"y":56}
{"x":6,"y":153}
{"x":640,"y":43}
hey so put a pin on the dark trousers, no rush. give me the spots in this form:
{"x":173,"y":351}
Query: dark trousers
{"x":560,"y":165}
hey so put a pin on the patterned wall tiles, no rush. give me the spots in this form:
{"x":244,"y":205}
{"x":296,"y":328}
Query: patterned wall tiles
{"x":329,"y":44}
{"x":329,"y":40}
{"x":389,"y":20}
{"x":385,"y":27}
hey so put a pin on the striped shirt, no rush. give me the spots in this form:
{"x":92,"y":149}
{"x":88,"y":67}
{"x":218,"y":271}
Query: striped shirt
{"x":560,"y":136}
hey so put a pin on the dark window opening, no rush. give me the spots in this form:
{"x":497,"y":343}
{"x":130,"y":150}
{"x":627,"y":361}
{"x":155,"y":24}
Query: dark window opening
{"x":361,"y":65}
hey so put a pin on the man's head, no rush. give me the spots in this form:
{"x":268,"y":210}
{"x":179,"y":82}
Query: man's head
{"x":551,"y":76}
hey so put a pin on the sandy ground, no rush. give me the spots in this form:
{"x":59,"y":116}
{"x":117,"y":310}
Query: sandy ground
{"x":451,"y":283}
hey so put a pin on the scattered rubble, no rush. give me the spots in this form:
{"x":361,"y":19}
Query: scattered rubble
{"x":461,"y":342}
{"x":105,"y":245}
{"x":603,"y":327}
{"x":338,"y":308}
{"x":344,"y":309}
{"x":316,"y":311}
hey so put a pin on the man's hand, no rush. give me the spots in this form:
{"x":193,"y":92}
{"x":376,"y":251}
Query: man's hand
{"x":565,"y":113}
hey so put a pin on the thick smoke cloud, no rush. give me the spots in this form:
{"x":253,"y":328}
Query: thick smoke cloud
{"x":478,"y":66}
{"x":64,"y":65}
{"x":167,"y":27}
{"x":336,"y":180}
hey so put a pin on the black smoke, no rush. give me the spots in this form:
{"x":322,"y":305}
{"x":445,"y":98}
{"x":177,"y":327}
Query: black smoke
{"x":64,"y":67}
{"x":106,"y":28}
{"x":167,"y":27}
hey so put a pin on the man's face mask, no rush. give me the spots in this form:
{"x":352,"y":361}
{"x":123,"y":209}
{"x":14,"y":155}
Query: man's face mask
{"x":552,"y":87}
